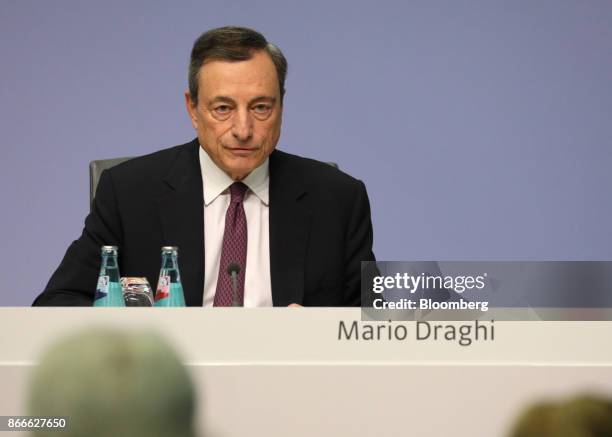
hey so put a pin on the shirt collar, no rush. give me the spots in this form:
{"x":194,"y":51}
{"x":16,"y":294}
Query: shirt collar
{"x":215,"y":181}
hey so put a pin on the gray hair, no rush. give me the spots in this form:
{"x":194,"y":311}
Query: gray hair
{"x":232,"y":43}
{"x":112,"y":383}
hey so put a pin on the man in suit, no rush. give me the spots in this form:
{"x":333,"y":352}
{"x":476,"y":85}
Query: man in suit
{"x":298,"y":229}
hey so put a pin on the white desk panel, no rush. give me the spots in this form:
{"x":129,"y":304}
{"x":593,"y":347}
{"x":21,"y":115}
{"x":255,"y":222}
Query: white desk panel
{"x":305,"y":336}
{"x":286,"y":373}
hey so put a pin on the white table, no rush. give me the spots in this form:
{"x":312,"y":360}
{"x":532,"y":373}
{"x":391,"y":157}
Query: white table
{"x":288,"y":374}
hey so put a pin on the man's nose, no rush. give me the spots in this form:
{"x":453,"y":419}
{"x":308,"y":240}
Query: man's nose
{"x":242,"y":127}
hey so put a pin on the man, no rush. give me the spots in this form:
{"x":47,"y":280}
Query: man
{"x":296,"y":230}
{"x":113,"y":383}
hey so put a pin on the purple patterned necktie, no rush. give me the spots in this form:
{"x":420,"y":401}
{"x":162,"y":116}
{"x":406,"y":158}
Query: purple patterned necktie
{"x":234,"y":248}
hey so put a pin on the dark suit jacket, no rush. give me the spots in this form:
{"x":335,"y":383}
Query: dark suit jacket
{"x":320,"y":229}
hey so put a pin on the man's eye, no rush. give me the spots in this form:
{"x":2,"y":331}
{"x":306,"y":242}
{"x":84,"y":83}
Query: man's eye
{"x":222,"y":109}
{"x":261,"y":109}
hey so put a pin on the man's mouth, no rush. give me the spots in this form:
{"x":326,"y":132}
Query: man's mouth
{"x":241,"y":151}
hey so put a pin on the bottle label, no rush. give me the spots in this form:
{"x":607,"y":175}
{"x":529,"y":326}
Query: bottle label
{"x":163,"y":288}
{"x":102,"y":287}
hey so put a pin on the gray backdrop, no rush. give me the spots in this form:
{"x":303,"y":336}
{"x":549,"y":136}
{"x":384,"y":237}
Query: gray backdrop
{"x":482,"y":129}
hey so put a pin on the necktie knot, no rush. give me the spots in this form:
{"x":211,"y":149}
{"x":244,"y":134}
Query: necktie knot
{"x":237,"y":191}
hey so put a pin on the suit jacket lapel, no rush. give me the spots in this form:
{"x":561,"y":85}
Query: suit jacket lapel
{"x":289,"y":231}
{"x":181,"y":211}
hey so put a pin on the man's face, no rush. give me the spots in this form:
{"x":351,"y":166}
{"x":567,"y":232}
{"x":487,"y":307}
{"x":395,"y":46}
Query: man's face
{"x":239,"y":113}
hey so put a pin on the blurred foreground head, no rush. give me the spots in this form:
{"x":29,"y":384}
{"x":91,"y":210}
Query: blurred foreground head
{"x":114,"y":383}
{"x":584,"y":416}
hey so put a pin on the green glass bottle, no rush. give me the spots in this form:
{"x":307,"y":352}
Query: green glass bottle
{"x":108,"y":290}
{"x":169,"y":288}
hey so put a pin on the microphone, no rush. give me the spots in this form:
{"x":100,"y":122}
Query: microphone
{"x":233,"y":269}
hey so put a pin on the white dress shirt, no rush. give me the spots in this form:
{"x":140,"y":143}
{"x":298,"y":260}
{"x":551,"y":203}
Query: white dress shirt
{"x":257,"y":283}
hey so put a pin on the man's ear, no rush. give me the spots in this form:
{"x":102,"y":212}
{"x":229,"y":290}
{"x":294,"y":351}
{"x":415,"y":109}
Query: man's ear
{"x":191,"y":110}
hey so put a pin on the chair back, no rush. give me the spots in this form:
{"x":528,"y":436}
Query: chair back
{"x":95,"y":171}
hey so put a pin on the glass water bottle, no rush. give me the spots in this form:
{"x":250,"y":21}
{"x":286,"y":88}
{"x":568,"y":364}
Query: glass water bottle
{"x":108,"y":290}
{"x":169,"y":288}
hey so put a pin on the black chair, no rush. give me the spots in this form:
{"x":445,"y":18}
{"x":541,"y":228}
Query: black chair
{"x":95,"y":171}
